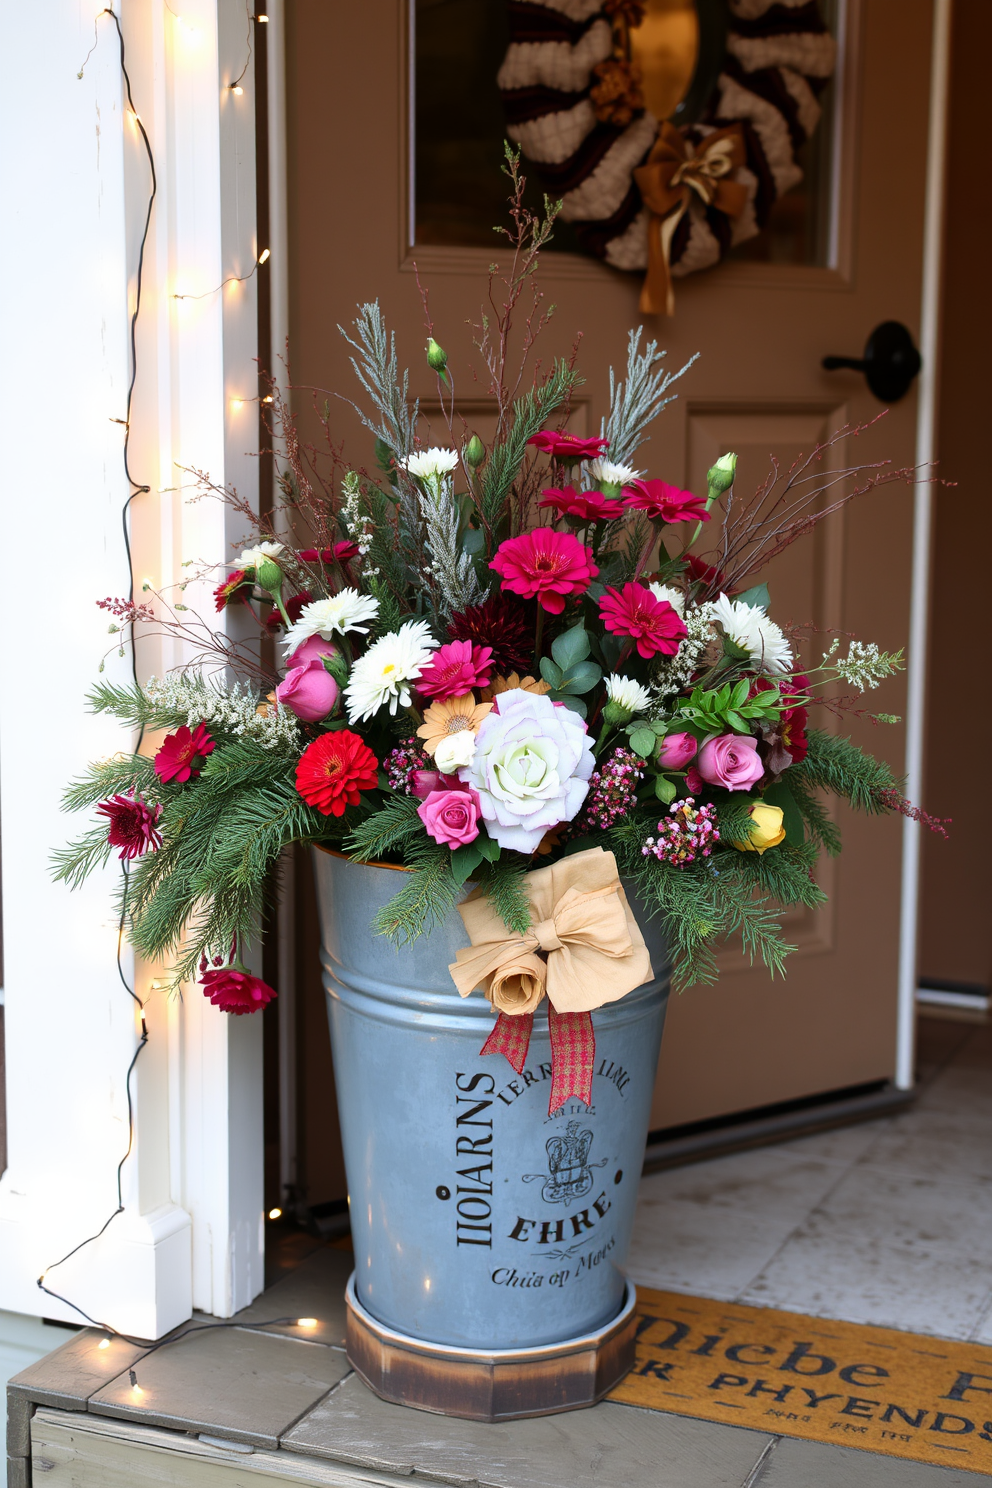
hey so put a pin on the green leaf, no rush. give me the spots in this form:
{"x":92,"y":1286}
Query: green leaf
{"x":464,"y":861}
{"x":735,"y":652}
{"x":489,"y":848}
{"x":665,"y":789}
{"x":611,"y":646}
{"x":780,"y":795}
{"x":551,"y":673}
{"x":582,"y":678}
{"x":642,"y":742}
{"x":758,"y":596}
{"x":571,"y":647}
{"x":574,"y":704}
{"x":474,"y":541}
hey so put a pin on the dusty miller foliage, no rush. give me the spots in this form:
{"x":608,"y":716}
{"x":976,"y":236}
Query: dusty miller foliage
{"x":451,"y":567}
{"x":637,"y":402}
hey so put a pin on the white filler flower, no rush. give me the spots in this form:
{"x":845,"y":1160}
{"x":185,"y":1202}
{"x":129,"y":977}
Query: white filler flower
{"x":384,"y":674}
{"x":608,"y":472}
{"x":674,"y":597}
{"x":431,"y":464}
{"x":749,"y":627}
{"x":255,"y":557}
{"x":628,"y":694}
{"x":345,"y":611}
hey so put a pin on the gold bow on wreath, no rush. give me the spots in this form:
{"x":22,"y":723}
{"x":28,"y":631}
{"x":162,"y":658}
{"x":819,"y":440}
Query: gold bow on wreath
{"x":584,"y":949}
{"x":667,"y":181}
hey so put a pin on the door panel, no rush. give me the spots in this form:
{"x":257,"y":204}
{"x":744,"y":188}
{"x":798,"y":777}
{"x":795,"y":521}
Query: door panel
{"x":762,"y":330}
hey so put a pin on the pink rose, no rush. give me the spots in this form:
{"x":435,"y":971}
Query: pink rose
{"x":451,"y":816}
{"x":676,"y":750}
{"x":309,"y":690}
{"x":731,"y":761}
{"x":313,"y":648}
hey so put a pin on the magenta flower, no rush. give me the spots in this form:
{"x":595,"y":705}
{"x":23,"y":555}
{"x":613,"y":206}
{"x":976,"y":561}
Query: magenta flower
{"x":567,"y":447}
{"x":234,"y":990}
{"x":455,"y":669}
{"x":182,"y":753}
{"x":546,"y":566}
{"x":731,"y":760}
{"x":588,"y":506}
{"x":651,"y":623}
{"x":132,"y":825}
{"x":451,"y":816}
{"x":665,"y":503}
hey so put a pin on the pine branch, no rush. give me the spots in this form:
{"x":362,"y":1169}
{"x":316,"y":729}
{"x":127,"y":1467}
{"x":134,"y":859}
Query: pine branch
{"x":637,"y":402}
{"x":506,"y":889}
{"x":530,"y":413}
{"x":425,"y":900}
{"x":377,"y":369}
{"x":839,"y":766}
{"x":132,"y":707}
{"x":818,"y":822}
{"x":122,"y":775}
{"x":383,"y":832}
{"x":74,"y":864}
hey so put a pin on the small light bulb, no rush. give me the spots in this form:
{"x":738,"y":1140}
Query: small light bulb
{"x":237,"y":89}
{"x":262,"y":19}
{"x":275,"y":1214}
{"x":306,"y":1322}
{"x":263,"y":257}
{"x":136,"y":1390}
{"x":237,"y":403}
{"x":104,"y":1343}
{"x":268,"y":399}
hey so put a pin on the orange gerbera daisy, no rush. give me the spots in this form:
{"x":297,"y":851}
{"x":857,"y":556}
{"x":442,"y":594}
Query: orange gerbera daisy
{"x":450,"y":716}
{"x":507,"y":684}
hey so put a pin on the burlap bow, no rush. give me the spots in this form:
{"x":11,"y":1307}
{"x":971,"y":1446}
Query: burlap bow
{"x":667,"y":181}
{"x":584,"y":948}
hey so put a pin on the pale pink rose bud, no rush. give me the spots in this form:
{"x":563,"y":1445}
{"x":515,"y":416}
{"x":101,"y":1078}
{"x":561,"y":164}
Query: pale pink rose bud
{"x":676,"y":750}
{"x":309,"y":690}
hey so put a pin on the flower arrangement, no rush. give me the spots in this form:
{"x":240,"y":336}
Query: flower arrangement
{"x":488,"y":660}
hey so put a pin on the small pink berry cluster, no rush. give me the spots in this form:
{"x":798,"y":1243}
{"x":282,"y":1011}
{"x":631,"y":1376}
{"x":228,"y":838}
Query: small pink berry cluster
{"x":612,"y":790}
{"x":403,"y":763}
{"x":684,"y":835}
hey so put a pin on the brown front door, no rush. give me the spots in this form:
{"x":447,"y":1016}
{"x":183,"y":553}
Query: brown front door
{"x":762,"y":329}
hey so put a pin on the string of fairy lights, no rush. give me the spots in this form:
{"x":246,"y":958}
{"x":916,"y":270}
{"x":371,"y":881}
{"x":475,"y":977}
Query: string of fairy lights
{"x":135,"y":489}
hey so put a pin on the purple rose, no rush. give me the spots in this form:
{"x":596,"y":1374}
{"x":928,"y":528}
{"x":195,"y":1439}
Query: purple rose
{"x":676,"y":750}
{"x":313,"y":648}
{"x":309,"y":690}
{"x":451,"y":816}
{"x":731,"y":761}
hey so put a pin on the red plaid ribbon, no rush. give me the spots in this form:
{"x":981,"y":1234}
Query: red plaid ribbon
{"x":573,"y":1051}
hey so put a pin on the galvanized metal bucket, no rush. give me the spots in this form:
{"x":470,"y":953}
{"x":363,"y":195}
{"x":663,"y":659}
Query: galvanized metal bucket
{"x":478,"y":1221}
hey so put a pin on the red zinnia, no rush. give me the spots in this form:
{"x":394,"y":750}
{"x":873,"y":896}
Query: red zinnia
{"x":545,"y":565}
{"x":132,"y":825}
{"x":589,"y":506}
{"x":502,"y":624}
{"x":342,"y":552}
{"x":652,"y":623}
{"x":182,"y":753}
{"x":236,"y":589}
{"x":665,"y":503}
{"x":294,"y":605}
{"x":235,"y":990}
{"x":455,"y":669}
{"x":567,"y":447}
{"x":333,"y":769}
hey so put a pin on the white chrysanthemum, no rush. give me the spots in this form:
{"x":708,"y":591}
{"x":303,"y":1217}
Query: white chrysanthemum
{"x":749,"y":627}
{"x":628,"y":694}
{"x":345,"y":611}
{"x":674,"y":597}
{"x":255,"y":557}
{"x":383,"y":675}
{"x":431,"y":463}
{"x":612,"y":473}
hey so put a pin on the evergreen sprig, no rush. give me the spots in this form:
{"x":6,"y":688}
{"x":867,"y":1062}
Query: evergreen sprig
{"x":384,"y":832}
{"x":425,"y":900}
{"x":530,"y":413}
{"x":507,"y":893}
{"x":839,"y":766}
{"x":122,"y":775}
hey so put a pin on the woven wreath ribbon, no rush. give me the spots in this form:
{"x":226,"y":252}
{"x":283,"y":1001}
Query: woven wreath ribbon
{"x":667,"y":181}
{"x":584,"y":949}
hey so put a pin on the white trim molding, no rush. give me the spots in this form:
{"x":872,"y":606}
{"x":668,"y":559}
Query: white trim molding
{"x":76,"y":190}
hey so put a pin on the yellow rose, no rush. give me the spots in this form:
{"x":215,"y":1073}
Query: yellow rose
{"x":766,"y":829}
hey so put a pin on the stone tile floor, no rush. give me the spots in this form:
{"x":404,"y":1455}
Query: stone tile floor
{"x":885,"y":1223}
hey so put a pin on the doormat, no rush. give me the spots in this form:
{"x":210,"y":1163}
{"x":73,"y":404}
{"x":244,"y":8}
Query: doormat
{"x":903,"y":1394}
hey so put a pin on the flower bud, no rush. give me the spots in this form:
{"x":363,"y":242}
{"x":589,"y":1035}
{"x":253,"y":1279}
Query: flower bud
{"x":765,"y":828}
{"x":720,"y":477}
{"x":269,"y":576}
{"x":475,"y":452}
{"x":616,"y":713}
{"x":437,"y":357}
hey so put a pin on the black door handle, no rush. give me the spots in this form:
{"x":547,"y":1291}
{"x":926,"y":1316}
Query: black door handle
{"x":890,"y":361}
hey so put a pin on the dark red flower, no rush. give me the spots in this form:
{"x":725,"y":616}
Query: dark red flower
{"x":293,"y":607}
{"x":236,"y":589}
{"x":182,"y":753}
{"x":567,"y":447}
{"x":665,"y":503}
{"x":706,"y":573}
{"x":132,"y":825}
{"x":342,"y":552}
{"x":589,"y":506}
{"x":504,"y":625}
{"x":235,"y":990}
{"x":652,"y":623}
{"x":334,"y":769}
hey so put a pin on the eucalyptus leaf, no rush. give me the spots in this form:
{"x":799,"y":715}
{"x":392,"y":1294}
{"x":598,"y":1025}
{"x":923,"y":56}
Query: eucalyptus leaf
{"x":611,"y":646}
{"x":582,"y":677}
{"x":551,"y":673}
{"x":757,"y":596}
{"x":571,"y":647}
{"x":574,"y":704}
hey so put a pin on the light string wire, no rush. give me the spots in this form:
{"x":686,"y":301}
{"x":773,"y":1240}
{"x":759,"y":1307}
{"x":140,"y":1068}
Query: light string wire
{"x":136,"y":489}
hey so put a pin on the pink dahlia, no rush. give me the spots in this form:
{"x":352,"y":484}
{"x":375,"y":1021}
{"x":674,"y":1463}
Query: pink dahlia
{"x":567,"y":447}
{"x":182,"y":753}
{"x":652,"y":623}
{"x":546,"y":566}
{"x":132,"y":825}
{"x":665,"y":503}
{"x":589,"y":506}
{"x":455,"y":669}
{"x":235,"y":990}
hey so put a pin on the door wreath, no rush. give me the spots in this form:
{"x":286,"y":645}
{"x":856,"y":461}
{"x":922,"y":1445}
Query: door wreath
{"x":658,"y":196}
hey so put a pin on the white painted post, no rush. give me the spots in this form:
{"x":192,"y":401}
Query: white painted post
{"x":74,"y":184}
